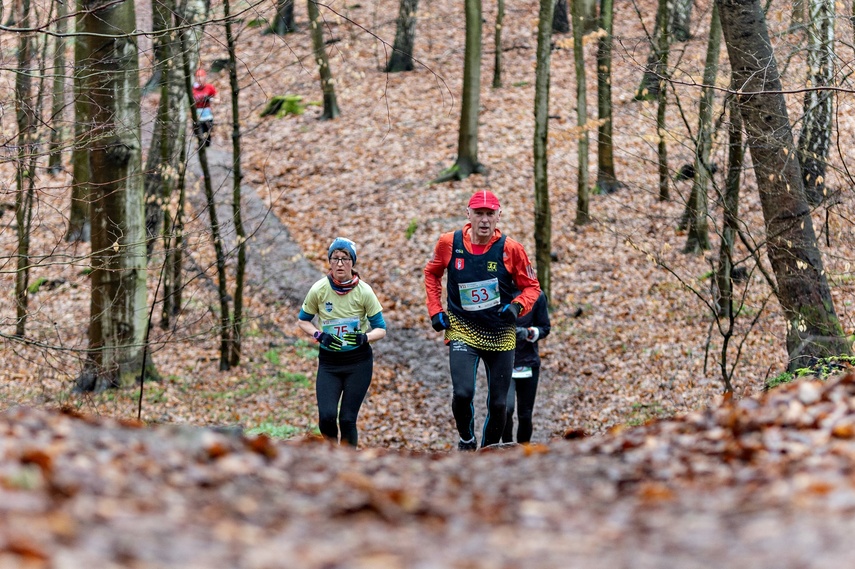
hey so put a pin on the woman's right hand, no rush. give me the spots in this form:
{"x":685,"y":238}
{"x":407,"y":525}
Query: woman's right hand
{"x":328,"y":341}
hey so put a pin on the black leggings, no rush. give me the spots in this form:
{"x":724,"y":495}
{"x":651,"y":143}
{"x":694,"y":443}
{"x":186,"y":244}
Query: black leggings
{"x":347,"y":383}
{"x":526,"y":389}
{"x":463,"y":360}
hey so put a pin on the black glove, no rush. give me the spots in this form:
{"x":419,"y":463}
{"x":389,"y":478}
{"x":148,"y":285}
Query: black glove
{"x":440,"y":322}
{"x":509,"y":312}
{"x":328,"y":341}
{"x":357,"y":338}
{"x":522,"y":335}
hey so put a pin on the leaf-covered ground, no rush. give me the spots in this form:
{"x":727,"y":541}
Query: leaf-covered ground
{"x":632,"y":340}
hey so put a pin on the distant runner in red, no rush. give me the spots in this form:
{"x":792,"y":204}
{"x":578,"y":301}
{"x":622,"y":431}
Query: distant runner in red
{"x":203,"y":95}
{"x":490,"y":283}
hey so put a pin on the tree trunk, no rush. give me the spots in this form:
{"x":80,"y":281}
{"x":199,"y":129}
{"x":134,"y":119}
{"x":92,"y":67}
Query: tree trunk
{"x":561,"y":17}
{"x":169,"y":133}
{"x":331,"y":109}
{"x":284,"y":22}
{"x":542,"y":214}
{"x":237,"y":178}
{"x":662,"y":43}
{"x":735,"y":153}
{"x":497,"y":60}
{"x":815,"y":138}
{"x":405,"y":38}
{"x":698,"y":238}
{"x":813,"y":329}
{"x":467,"y":139}
{"x":681,"y":16}
{"x":654,"y":71}
{"x":216,"y":238}
{"x":79,"y":227}
{"x":118,"y":304}
{"x":607,"y":181}
{"x":583,"y":196}
{"x":58,"y":90}
{"x":25,"y":105}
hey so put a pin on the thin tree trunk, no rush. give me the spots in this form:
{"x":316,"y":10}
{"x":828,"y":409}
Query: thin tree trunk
{"x":497,"y":60}
{"x":222,"y":292}
{"x":284,"y":22}
{"x":237,"y":178}
{"x":405,"y":38}
{"x":813,"y":329}
{"x":607,"y":181}
{"x":331,"y":109}
{"x":680,"y":22}
{"x":561,"y":17}
{"x":657,"y":62}
{"x":58,"y":91}
{"x":118,"y":314}
{"x":542,"y":214}
{"x":815,"y":138}
{"x":735,"y":153}
{"x":79,"y":227}
{"x":583,"y":195}
{"x":697,"y":237}
{"x":662,"y":95}
{"x":467,"y":140}
{"x":24,"y":176}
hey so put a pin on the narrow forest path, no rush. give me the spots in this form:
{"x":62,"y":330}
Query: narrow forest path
{"x":278,"y":270}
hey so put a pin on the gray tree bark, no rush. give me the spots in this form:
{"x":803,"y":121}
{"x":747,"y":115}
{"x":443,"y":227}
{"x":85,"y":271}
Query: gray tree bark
{"x":815,"y":138}
{"x":79,"y":224}
{"x":813,"y":329}
{"x":118,"y":313}
{"x":607,"y":181}
{"x":697,"y":237}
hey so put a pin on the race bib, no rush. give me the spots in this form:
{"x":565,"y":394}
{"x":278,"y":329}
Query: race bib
{"x":521,"y":372}
{"x":479,"y":295}
{"x":205,"y":114}
{"x":340,"y":326}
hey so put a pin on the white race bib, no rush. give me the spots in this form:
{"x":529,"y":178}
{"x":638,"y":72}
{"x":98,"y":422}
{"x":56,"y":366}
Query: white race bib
{"x":479,"y":295}
{"x":521,"y":372}
{"x":340,"y":326}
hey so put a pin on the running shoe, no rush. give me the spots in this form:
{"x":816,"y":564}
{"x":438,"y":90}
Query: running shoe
{"x":470,"y":446}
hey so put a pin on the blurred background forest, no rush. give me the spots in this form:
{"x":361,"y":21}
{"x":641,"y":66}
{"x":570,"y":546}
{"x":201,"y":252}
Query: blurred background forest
{"x":639,"y":328}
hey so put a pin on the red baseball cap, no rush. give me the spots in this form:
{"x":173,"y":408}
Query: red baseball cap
{"x":484,"y":199}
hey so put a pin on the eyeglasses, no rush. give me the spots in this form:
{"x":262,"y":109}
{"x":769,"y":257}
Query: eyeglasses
{"x":339,"y":260}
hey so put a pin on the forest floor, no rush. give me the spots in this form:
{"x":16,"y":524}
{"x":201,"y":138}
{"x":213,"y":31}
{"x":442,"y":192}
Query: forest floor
{"x":671,"y":476}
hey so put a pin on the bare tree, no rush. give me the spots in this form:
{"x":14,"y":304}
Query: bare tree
{"x":542,"y":214}
{"x":497,"y":58}
{"x":607,"y":181}
{"x":697,"y":237}
{"x":237,"y":178}
{"x":284,"y":21}
{"x":58,"y":91}
{"x":118,"y":314}
{"x":331,"y":109}
{"x":815,"y":138}
{"x":467,"y":140}
{"x":405,"y":38}
{"x":583,"y":198}
{"x":813,"y":329}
